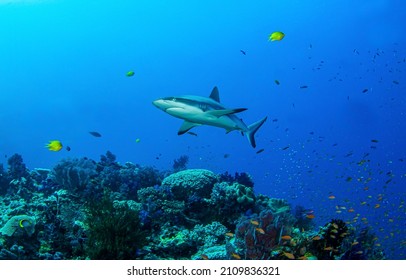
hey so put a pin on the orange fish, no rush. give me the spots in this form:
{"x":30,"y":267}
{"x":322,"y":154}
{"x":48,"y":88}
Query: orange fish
{"x":236,"y":256}
{"x":359,"y":252}
{"x":289,"y":255}
{"x":229,"y":234}
{"x":351,"y":210}
{"x":260,"y":230}
{"x":204,"y":257}
{"x":328,"y":248}
{"x":377,"y":205}
{"x":286,"y":237}
{"x":331,"y":197}
{"x":254,"y":222}
{"x":310,"y":216}
{"x":316,"y":238}
{"x":354,"y":243}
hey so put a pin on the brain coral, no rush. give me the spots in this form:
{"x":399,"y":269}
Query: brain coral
{"x":19,"y":224}
{"x":191,"y":182}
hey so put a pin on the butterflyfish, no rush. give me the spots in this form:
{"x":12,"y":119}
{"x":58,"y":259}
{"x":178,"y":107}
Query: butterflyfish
{"x":54,"y":145}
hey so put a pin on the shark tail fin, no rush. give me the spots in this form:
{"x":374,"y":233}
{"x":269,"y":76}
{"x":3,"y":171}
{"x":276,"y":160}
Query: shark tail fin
{"x":252,"y":129}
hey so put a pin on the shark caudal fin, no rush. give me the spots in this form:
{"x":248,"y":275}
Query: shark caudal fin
{"x":252,"y":129}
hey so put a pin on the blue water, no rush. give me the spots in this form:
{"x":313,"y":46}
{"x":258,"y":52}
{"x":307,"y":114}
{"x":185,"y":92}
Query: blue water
{"x":63,"y":68}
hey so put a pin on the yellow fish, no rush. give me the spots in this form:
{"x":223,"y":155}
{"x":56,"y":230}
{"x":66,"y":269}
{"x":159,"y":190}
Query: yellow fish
{"x":289,"y":255}
{"x":54,"y":145}
{"x":236,"y":256}
{"x":276,"y":36}
{"x":286,"y":237}
{"x":230,"y":234}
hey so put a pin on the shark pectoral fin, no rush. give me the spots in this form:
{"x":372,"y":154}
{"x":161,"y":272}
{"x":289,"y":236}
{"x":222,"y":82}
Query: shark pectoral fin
{"x":186,"y":126}
{"x":220,"y":113}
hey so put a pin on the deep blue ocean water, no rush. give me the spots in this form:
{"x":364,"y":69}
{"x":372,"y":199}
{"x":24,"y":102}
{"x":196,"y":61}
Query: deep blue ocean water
{"x":63,"y":68}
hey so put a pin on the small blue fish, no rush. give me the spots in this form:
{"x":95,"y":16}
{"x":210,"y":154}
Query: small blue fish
{"x":95,"y":133}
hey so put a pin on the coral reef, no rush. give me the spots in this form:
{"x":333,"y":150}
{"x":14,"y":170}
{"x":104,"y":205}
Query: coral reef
{"x":19,"y":225}
{"x":4,"y":180}
{"x":241,"y":178}
{"x":20,"y":180}
{"x":126,"y":179}
{"x":180,"y":163}
{"x":228,"y":202}
{"x":16,"y":167}
{"x":114,"y":230}
{"x":191,"y":182}
{"x":259,"y":236}
{"x":74,"y":174}
{"x":83,"y":209}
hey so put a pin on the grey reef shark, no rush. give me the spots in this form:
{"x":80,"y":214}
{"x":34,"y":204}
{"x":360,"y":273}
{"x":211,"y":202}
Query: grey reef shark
{"x":198,"y":110}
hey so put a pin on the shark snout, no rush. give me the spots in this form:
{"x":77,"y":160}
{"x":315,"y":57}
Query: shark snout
{"x":160,"y":103}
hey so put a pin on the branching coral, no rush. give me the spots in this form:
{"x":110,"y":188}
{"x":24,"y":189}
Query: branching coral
{"x":180,"y":163}
{"x":241,"y":178}
{"x":4,"y":180}
{"x":126,"y":179}
{"x":229,"y":201}
{"x":16,"y":167}
{"x":114,"y":230}
{"x":74,"y":174}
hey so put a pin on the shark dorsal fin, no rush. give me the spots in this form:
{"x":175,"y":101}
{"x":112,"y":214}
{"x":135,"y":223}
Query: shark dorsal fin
{"x":215,"y":94}
{"x":223,"y":112}
{"x":186,"y":126}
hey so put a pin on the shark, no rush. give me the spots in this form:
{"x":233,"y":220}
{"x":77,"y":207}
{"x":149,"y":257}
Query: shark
{"x":198,"y":110}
